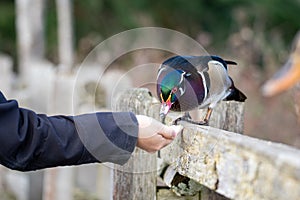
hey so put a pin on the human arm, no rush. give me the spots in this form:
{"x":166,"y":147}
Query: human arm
{"x":31,"y":141}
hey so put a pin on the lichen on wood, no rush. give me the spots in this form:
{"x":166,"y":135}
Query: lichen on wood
{"x":229,"y":163}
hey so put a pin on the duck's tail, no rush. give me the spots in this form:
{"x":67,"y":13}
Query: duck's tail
{"x":235,"y":94}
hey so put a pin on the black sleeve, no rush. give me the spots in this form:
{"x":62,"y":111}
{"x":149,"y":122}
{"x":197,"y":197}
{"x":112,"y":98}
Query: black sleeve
{"x":31,"y":141}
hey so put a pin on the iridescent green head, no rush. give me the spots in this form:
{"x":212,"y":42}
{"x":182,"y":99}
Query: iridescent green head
{"x":171,"y":89}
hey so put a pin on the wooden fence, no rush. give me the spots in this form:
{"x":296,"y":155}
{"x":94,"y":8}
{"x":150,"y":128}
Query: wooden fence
{"x":224,"y":164}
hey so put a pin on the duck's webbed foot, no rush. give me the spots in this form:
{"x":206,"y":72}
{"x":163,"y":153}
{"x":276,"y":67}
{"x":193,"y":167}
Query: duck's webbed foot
{"x":187,"y":118}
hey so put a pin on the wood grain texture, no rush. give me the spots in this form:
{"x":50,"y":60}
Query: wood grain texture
{"x":233,"y":165}
{"x":137,"y":178}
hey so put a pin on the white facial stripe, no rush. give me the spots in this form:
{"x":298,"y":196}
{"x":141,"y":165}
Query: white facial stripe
{"x":182,"y":75}
{"x":204,"y":84}
{"x":161,"y":69}
{"x":181,"y":91}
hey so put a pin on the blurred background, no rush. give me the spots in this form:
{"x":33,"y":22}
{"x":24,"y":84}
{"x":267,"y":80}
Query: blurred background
{"x":256,"y":34}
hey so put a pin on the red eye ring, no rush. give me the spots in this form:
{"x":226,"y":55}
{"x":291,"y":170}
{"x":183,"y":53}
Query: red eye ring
{"x":174,"y":90}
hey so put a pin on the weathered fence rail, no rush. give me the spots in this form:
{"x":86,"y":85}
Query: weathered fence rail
{"x":231,"y":164}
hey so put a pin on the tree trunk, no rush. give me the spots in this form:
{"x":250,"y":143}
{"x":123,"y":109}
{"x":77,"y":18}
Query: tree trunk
{"x":30,"y":33}
{"x":65,"y":34}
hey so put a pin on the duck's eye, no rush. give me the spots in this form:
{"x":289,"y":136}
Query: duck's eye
{"x":174,"y":90}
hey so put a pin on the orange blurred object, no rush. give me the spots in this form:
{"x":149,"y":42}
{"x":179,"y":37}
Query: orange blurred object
{"x":288,"y":75}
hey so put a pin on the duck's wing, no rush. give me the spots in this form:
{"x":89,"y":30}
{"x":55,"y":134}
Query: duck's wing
{"x":201,"y":63}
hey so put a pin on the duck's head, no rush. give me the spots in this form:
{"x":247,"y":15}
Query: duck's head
{"x":288,"y":75}
{"x":171,"y":89}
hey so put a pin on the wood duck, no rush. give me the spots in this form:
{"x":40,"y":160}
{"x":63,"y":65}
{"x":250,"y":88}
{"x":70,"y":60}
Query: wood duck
{"x":288,"y":75}
{"x":188,"y":82}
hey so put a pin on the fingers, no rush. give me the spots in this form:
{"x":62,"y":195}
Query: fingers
{"x":166,"y":142}
{"x":150,"y":126}
{"x":153,"y":144}
{"x":153,"y":135}
{"x":170,"y":132}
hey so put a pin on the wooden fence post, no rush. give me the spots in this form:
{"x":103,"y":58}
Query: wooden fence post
{"x":228,"y":116}
{"x":234,"y":165}
{"x":230,"y":164}
{"x":136,"y":179}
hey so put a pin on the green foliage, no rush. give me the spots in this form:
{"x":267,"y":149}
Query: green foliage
{"x":51,"y":31}
{"x":277,"y":16}
{"x":7,"y":27}
{"x":218,"y":18}
{"x":7,"y":195}
{"x":83,"y":195}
